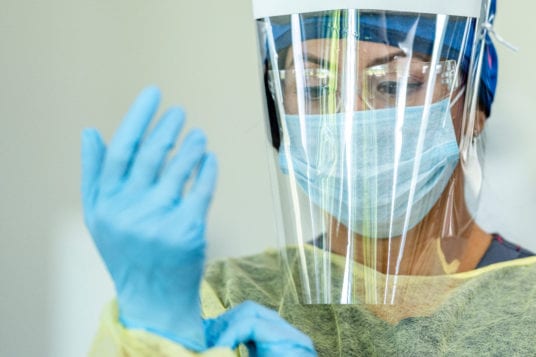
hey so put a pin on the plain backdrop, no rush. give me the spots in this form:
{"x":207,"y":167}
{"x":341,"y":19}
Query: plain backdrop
{"x":66,"y":65}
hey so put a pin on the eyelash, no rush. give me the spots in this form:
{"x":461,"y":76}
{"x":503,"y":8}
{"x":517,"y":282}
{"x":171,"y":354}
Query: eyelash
{"x":388,"y":87}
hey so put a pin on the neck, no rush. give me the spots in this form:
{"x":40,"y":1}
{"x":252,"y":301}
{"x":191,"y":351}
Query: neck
{"x":446,"y":241}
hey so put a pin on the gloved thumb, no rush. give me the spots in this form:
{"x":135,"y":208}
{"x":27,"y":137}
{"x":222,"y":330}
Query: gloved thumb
{"x":93,"y":151}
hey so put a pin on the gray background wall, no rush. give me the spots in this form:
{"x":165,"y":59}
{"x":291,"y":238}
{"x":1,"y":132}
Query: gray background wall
{"x":66,"y":64}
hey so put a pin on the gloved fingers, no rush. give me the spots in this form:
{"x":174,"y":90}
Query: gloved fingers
{"x":153,"y":151}
{"x":263,"y":335}
{"x":124,"y":144}
{"x":200,"y":195}
{"x":181,"y":167}
{"x":253,"y":323}
{"x":93,"y":152}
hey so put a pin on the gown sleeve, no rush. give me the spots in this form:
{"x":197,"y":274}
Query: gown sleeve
{"x":114,"y":340}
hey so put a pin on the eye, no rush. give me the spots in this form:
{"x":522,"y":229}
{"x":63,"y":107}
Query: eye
{"x":316,"y":92}
{"x":391,"y":88}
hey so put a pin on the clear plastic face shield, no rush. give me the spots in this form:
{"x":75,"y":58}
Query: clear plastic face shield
{"x":376,"y":153}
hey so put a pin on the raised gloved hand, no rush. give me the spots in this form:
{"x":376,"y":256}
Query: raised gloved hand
{"x":263,"y":331}
{"x":149,"y":232}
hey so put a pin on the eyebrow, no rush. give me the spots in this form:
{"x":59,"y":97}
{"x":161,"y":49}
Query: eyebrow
{"x":312,"y":58}
{"x":386,"y":59}
{"x":391,"y":57}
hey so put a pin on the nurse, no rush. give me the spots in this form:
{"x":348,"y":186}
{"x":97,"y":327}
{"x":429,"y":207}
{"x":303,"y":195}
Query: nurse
{"x":375,"y":116}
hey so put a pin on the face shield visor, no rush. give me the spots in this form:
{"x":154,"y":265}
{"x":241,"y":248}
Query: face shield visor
{"x":374,"y":142}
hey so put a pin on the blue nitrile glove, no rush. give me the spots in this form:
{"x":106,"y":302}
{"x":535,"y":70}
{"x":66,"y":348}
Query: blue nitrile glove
{"x":149,"y":232}
{"x":263,"y":331}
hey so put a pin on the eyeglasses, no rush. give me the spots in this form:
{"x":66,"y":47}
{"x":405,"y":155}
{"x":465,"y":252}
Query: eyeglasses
{"x":401,"y":81}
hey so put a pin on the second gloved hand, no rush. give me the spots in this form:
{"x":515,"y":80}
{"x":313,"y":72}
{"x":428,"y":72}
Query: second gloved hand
{"x":149,"y":232}
{"x":263,"y":331}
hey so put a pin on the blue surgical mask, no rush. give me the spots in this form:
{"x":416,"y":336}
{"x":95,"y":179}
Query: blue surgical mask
{"x":369,"y":170}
